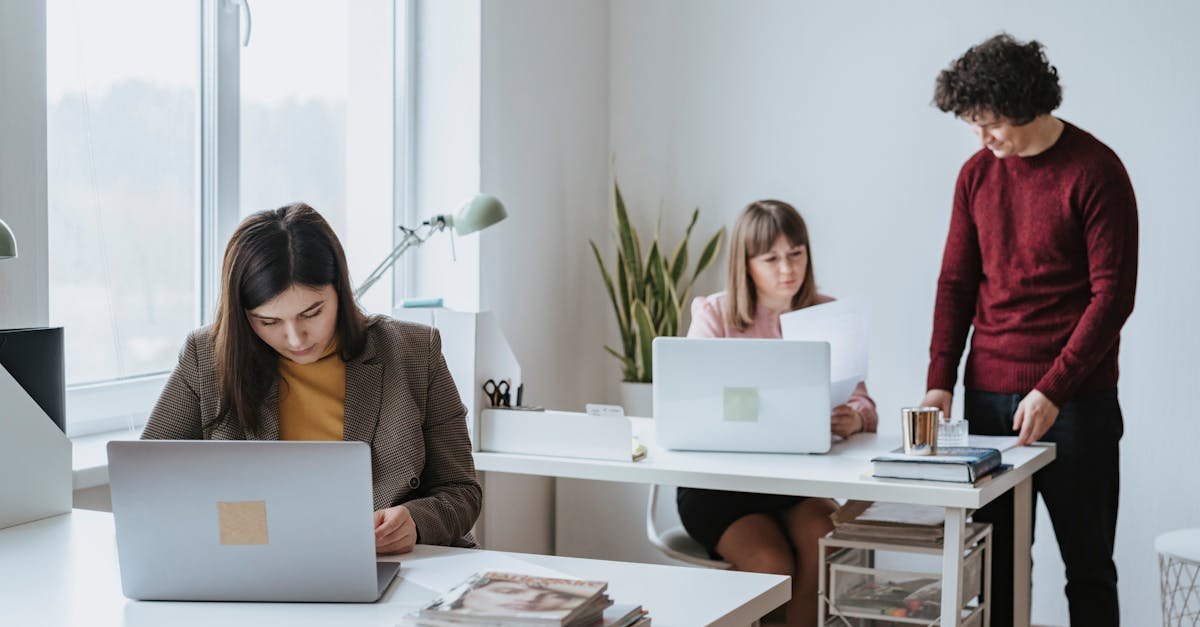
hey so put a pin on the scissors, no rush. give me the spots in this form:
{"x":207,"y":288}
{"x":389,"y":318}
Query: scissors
{"x":497,"y":392}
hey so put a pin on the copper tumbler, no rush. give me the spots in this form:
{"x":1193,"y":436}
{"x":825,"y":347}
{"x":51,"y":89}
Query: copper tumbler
{"x":920,"y":429}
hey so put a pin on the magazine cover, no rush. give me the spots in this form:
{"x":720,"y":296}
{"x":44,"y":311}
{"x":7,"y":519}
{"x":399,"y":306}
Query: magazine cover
{"x":507,"y":596}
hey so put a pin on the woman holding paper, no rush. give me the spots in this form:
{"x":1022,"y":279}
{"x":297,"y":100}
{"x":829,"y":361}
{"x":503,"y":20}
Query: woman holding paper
{"x":770,"y":273}
{"x":292,"y":357}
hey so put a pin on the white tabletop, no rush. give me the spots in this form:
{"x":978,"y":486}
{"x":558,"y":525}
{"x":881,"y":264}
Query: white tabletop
{"x":844,"y":472}
{"x":1181,"y":544}
{"x":63,"y":571}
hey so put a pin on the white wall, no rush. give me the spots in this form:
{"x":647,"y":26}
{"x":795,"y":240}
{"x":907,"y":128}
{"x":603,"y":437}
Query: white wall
{"x":24,"y":295}
{"x":826,"y":105}
{"x":544,"y":152}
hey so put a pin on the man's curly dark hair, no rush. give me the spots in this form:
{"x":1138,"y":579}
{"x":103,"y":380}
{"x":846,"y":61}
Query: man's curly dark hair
{"x":1003,"y":76}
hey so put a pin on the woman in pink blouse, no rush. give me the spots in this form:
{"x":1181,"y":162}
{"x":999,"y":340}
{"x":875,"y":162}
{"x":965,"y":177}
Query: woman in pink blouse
{"x":770,"y":273}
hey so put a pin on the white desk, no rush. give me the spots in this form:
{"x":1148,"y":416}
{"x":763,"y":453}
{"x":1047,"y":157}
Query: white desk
{"x":63,"y":571}
{"x":843,"y":473}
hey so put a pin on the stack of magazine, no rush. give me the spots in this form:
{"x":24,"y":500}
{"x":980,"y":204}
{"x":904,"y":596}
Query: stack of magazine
{"x":866,"y":520}
{"x":494,"y":598}
{"x":894,"y":522}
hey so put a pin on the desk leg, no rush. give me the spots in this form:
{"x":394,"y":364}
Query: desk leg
{"x":1022,"y":541}
{"x":952,"y":565}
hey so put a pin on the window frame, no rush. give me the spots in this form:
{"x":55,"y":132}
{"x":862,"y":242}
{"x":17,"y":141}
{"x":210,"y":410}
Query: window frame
{"x":124,"y":404}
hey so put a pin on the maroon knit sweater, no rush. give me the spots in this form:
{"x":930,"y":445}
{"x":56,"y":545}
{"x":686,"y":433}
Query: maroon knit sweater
{"x":1041,"y":260}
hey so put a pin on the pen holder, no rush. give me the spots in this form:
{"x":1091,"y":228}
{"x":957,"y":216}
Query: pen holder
{"x":920,"y":430}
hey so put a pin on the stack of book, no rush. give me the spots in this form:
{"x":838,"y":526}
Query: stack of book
{"x":494,"y":598}
{"x":961,"y":464}
{"x":865,"y":520}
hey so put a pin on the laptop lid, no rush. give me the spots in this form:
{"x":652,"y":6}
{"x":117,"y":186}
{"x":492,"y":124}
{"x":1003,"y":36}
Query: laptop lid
{"x":244,"y":521}
{"x":753,"y":395}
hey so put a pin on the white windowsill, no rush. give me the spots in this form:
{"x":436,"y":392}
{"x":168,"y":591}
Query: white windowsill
{"x":90,"y":457}
{"x":111,"y":406}
{"x":102,"y":412}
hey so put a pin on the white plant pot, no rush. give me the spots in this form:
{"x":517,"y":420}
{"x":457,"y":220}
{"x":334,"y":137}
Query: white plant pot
{"x":638,"y":399}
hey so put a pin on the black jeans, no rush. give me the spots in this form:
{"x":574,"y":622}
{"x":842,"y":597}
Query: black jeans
{"x":1080,"y":490}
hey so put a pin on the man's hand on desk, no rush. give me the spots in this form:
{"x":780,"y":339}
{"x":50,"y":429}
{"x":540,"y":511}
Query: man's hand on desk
{"x":1035,"y":415}
{"x":395,"y":530}
{"x":941,"y":399}
{"x":846,"y":421}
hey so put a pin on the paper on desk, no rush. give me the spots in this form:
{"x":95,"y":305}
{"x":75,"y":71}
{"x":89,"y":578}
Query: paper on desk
{"x":998,"y":442}
{"x":442,"y":573}
{"x":842,"y":323}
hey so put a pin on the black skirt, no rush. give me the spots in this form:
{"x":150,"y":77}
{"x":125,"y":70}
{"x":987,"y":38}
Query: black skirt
{"x":706,"y":514}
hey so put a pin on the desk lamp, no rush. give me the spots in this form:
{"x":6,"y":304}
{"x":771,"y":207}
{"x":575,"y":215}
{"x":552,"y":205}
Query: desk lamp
{"x":8,"y":242}
{"x":476,"y":214}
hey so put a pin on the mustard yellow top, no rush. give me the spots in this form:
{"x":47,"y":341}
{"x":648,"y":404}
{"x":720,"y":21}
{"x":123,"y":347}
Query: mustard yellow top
{"x":312,"y":397}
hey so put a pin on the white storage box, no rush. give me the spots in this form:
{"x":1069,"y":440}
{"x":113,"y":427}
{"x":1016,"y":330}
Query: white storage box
{"x":557,"y":433}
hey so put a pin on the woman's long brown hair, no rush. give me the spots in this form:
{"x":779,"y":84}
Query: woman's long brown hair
{"x":756,"y":229}
{"x":269,"y":252}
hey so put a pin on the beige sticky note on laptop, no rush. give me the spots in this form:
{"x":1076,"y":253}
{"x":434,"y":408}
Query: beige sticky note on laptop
{"x":242,"y":522}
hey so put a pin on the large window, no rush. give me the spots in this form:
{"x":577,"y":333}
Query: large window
{"x":317,"y":116}
{"x":139,"y":92}
{"x":122,"y":157}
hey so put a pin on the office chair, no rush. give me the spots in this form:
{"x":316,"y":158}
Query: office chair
{"x":674,"y":542}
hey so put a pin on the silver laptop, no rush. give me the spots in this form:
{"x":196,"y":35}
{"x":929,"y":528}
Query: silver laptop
{"x":763,"y":396}
{"x":246,"y":521}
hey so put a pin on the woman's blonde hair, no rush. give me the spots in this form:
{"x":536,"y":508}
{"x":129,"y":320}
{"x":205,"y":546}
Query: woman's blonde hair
{"x":756,"y":229}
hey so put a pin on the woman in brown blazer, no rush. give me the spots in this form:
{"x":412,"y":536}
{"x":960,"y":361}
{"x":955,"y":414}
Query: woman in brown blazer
{"x":291,"y":357}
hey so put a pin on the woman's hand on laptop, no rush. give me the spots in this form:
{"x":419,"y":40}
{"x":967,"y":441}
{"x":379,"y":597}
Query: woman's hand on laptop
{"x":846,"y":421}
{"x":395,"y":530}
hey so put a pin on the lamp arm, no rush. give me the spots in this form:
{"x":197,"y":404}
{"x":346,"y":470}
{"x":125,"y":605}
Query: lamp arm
{"x":412,"y":238}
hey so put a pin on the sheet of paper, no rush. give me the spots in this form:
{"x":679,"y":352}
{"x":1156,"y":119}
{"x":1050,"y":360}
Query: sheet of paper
{"x":842,"y":323}
{"x":998,"y":442}
{"x":442,"y":573}
{"x":926,"y":515}
{"x":840,"y":391}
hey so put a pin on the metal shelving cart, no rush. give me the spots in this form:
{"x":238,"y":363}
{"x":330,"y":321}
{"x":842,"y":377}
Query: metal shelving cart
{"x":855,"y":593}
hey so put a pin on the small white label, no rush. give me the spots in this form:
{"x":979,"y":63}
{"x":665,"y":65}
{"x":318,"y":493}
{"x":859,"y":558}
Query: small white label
{"x":597,"y":409}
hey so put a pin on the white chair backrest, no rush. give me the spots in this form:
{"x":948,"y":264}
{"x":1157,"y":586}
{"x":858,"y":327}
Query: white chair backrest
{"x":665,"y":531}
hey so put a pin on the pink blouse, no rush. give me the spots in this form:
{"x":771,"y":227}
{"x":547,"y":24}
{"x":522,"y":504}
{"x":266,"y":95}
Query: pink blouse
{"x":708,"y":320}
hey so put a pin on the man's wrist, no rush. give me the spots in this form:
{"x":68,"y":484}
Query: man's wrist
{"x":1046,"y":396}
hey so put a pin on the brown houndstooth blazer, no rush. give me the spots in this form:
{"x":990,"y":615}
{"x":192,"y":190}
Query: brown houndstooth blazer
{"x":400,"y":400}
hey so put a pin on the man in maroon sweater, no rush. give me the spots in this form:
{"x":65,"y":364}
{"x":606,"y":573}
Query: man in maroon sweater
{"x":1041,"y":261}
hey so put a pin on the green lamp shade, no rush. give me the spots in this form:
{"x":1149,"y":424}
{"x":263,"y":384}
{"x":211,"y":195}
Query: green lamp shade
{"x":8,"y":243}
{"x":477,"y":214}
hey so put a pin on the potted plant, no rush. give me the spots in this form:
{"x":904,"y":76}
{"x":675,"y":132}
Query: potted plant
{"x":648,"y":297}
